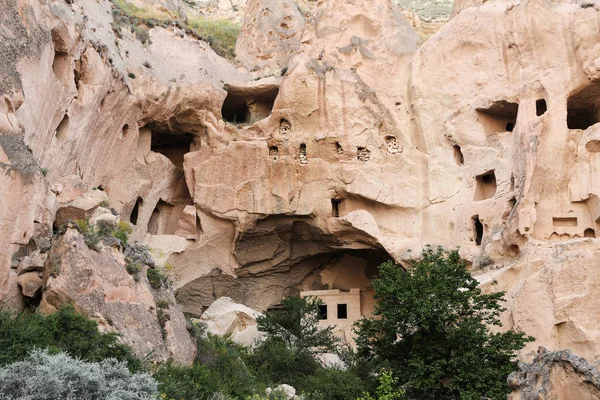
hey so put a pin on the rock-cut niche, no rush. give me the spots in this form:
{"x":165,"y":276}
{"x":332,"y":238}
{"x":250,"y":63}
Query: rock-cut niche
{"x":500,"y":117}
{"x":246,"y":105}
{"x":583,"y":107}
{"x":486,"y":186}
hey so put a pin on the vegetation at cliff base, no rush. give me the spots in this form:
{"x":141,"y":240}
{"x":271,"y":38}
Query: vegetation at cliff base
{"x":430,"y":338}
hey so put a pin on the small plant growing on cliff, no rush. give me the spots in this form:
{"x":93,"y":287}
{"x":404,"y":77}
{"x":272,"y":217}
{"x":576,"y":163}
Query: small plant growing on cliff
{"x":432,"y":329}
{"x":156,"y":278}
{"x":90,"y":233}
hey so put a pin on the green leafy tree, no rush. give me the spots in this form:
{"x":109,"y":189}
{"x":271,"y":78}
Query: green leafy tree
{"x":297,"y":325}
{"x":432,"y":329}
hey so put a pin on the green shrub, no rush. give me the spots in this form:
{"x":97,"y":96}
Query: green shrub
{"x":45,"y":376}
{"x":332,"y":384}
{"x":387,"y":389}
{"x":190,"y":383}
{"x":65,"y":330}
{"x":90,"y":233}
{"x":276,"y":363}
{"x":219,"y":368}
{"x":134,"y":269}
{"x":156,"y":278}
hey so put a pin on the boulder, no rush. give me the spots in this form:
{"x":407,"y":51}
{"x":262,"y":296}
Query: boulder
{"x":226,"y":317}
{"x":33,"y":262}
{"x":103,"y":214}
{"x":30,"y":283}
{"x":80,"y":208}
{"x":288,"y":391}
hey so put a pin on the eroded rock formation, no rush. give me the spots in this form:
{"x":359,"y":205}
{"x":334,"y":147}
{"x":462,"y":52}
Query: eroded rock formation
{"x":338,"y":145}
{"x":555,"y":375}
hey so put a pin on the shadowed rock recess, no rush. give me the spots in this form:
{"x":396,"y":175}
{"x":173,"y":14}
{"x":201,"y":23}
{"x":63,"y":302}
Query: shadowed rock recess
{"x":335,"y":141}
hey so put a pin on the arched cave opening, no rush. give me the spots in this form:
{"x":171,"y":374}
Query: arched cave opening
{"x":583,"y":107}
{"x":135,"y":212}
{"x":499,"y":117}
{"x":246,"y":105}
{"x":477,"y":230}
{"x":540,"y":107}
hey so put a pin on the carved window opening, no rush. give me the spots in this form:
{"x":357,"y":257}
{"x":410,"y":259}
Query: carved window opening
{"x":285,"y":126}
{"x":458,"y":155}
{"x":125,"y":131}
{"x":322,"y":312}
{"x":477,"y":230}
{"x":540,"y":107}
{"x":342,"y":311}
{"x":302,"y":155}
{"x":363,"y":154}
{"x":500,"y":117}
{"x":339,"y":148}
{"x":133,"y":218}
{"x":274,"y":153}
{"x":486,"y":186}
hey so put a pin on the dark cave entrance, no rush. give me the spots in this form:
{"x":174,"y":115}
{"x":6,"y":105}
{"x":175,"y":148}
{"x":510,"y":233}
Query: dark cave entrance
{"x":172,"y":145}
{"x":246,"y":105}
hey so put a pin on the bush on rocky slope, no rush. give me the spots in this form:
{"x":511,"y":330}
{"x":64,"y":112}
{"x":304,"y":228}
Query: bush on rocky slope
{"x":66,"y":331}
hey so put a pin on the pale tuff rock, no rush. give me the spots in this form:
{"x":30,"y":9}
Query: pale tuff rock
{"x":270,"y":35}
{"x":224,"y":317}
{"x":555,"y":375}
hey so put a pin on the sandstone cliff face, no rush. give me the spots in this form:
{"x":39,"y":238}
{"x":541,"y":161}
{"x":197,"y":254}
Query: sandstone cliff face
{"x":253,"y":185}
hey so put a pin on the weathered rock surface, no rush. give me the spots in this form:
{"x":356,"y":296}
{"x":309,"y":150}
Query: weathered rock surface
{"x":270,"y":35}
{"x":555,"y":375}
{"x":98,"y":284}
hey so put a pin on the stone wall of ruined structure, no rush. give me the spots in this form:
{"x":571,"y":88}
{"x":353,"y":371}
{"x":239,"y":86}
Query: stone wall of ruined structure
{"x":334,"y":143}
